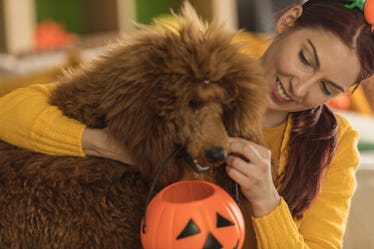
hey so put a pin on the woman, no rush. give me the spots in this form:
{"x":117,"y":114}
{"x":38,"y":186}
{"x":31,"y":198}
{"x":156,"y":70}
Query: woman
{"x":303,"y":202}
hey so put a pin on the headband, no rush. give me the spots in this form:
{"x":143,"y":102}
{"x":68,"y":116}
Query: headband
{"x":367,"y":6}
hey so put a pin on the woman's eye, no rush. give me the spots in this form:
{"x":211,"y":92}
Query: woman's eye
{"x":325,"y":89}
{"x":303,"y":58}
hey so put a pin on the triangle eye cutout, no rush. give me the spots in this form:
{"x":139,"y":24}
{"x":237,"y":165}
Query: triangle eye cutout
{"x":190,"y":229}
{"x":212,"y":243}
{"x":223,"y":222}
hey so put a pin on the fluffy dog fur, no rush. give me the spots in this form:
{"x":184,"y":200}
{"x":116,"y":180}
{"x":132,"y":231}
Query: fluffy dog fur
{"x":158,"y":89}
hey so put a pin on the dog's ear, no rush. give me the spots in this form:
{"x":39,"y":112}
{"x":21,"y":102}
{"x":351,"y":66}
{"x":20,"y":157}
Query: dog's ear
{"x":249,"y":101}
{"x":142,"y":134}
{"x":245,"y":123}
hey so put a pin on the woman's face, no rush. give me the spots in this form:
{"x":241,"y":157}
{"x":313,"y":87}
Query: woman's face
{"x":306,"y":68}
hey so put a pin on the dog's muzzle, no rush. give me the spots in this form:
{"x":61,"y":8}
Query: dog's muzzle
{"x":214,"y":155}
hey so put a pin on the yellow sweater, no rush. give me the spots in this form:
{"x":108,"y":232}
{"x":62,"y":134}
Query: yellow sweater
{"x":323,"y":224}
{"x":27,"y":120}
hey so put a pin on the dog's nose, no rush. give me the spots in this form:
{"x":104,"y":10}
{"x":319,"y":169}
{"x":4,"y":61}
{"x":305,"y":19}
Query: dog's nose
{"x":215,"y":154}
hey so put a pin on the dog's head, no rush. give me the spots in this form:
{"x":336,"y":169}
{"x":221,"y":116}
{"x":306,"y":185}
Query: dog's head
{"x":191,"y":86}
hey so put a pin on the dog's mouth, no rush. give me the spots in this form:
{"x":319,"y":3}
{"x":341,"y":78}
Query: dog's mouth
{"x":194,"y":163}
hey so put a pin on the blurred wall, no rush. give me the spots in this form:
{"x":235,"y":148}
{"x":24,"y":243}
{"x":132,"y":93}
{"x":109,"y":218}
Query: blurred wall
{"x":261,"y":15}
{"x":146,"y":10}
{"x":2,"y":28}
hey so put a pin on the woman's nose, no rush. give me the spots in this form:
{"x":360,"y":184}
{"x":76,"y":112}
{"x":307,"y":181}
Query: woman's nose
{"x":301,"y":86}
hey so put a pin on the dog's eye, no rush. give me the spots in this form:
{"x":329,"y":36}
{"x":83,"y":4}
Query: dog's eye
{"x":195,"y":103}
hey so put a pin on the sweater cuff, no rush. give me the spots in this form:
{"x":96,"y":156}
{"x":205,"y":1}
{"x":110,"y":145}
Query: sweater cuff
{"x":277,"y":229}
{"x":55,"y":134}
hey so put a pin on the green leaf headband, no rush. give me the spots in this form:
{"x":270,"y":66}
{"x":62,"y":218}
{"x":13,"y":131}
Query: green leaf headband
{"x":367,"y":6}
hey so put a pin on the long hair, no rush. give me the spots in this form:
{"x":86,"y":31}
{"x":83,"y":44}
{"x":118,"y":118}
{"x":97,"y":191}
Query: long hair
{"x":314,"y":132}
{"x":311,"y":148}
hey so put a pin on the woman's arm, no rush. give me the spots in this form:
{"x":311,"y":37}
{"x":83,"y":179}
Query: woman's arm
{"x":96,"y":142}
{"x":28,"y":120}
{"x":323,"y":224}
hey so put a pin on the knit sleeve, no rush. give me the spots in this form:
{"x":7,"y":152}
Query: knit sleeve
{"x":323,"y":224}
{"x":28,"y":120}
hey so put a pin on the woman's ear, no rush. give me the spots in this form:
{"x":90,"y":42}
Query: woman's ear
{"x":287,"y":20}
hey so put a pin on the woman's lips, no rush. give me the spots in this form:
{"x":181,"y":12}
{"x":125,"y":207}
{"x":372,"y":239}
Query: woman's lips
{"x":279,"y":93}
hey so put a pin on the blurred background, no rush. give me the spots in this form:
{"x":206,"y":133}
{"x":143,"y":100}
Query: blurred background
{"x":39,"y":38}
{"x":29,"y":25}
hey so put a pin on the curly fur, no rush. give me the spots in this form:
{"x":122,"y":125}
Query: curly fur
{"x":157,"y":89}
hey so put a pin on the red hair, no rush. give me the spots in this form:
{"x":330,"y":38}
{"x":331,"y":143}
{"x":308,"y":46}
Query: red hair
{"x":311,"y":149}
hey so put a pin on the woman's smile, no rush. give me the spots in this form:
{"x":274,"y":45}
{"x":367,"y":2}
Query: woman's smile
{"x":279,"y":93}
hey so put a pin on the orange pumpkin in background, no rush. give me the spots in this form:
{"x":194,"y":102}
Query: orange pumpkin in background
{"x":367,"y":6}
{"x":369,"y":13}
{"x":50,"y":35}
{"x":193,"y":214}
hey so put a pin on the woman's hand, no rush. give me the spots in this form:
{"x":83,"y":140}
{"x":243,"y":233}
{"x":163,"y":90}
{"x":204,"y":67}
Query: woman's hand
{"x":249,"y":165}
{"x":95,"y":142}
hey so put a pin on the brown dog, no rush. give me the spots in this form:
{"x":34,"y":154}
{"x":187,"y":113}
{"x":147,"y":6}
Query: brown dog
{"x":159,"y":90}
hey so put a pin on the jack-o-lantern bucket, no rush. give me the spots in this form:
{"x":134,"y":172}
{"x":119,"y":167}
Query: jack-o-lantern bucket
{"x":193,"y":214}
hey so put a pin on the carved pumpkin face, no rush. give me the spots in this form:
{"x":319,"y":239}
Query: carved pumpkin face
{"x":193,"y":214}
